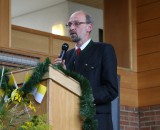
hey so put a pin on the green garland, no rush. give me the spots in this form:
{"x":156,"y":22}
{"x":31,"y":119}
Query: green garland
{"x":37,"y":76}
{"x":87,"y":107}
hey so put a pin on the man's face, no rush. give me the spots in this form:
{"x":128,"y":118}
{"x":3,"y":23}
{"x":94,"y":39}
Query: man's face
{"x":78,"y":28}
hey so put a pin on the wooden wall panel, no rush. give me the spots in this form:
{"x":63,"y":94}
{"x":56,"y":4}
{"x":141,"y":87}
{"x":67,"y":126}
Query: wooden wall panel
{"x":149,"y":61}
{"x":128,"y":78}
{"x":129,"y":97}
{"x":128,"y":87}
{"x":150,"y":96}
{"x":144,"y":2}
{"x":148,"y":12}
{"x":29,"y":41}
{"x":37,"y":41}
{"x":148,"y":45}
{"x":133,"y":35}
{"x":93,"y":3}
{"x":116,"y":29}
{"x":5,"y":27}
{"x":148,"y":48}
{"x":149,"y":79}
{"x":149,"y":28}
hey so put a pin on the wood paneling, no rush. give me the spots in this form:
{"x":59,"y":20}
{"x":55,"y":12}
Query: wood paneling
{"x":116,"y":29}
{"x":128,"y":87}
{"x":148,"y":45}
{"x":148,"y":12}
{"x":150,"y":96}
{"x":149,"y":79}
{"x":148,"y":28}
{"x":148,"y":34}
{"x":128,"y":78}
{"x":149,"y":61}
{"x":93,"y":3}
{"x":29,"y":41}
{"x":5,"y":23}
{"x":143,"y":2}
{"x":129,"y":97}
{"x":37,"y":41}
{"x":145,"y":93}
{"x":132,"y":35}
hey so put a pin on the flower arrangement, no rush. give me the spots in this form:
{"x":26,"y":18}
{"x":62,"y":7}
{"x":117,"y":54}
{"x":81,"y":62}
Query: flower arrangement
{"x":16,"y":107}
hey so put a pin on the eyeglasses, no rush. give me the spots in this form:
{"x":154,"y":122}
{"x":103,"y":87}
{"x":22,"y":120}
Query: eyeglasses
{"x":75,"y":23}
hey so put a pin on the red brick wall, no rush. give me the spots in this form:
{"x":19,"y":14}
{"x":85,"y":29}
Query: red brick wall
{"x":143,"y":118}
{"x":149,"y":117}
{"x":129,"y":118}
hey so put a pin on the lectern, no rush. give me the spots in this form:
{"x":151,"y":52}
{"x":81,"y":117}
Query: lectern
{"x":61,"y":102}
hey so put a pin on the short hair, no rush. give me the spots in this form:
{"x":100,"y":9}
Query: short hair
{"x":88,"y":18}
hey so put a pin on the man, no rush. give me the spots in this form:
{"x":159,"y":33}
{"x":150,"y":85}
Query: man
{"x":97,"y":62}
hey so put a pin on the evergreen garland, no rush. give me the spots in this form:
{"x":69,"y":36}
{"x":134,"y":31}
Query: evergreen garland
{"x":36,"y":76}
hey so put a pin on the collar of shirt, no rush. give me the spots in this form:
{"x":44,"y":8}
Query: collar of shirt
{"x":84,"y":45}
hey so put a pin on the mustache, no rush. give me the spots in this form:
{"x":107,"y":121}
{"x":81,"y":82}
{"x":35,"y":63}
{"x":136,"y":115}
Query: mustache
{"x":72,"y":32}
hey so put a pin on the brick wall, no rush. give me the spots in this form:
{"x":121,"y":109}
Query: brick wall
{"x":129,"y":118}
{"x":143,"y":118}
{"x":149,"y":117}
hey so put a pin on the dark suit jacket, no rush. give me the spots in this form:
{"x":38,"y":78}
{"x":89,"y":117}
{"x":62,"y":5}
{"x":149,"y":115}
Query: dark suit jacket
{"x":97,"y":62}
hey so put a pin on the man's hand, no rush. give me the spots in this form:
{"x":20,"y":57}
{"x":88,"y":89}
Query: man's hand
{"x":60,"y":61}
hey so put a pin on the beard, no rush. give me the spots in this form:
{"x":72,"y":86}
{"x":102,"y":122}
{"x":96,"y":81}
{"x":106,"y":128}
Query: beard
{"x":74,"y":37}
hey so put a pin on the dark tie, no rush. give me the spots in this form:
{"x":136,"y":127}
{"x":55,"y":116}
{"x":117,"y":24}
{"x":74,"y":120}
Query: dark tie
{"x":78,"y":51}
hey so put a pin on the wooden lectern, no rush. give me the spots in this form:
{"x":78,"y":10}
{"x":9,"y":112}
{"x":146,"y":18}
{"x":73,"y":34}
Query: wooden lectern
{"x":61,"y":102}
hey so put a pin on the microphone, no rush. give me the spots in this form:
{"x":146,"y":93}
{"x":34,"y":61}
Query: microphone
{"x":65,"y":47}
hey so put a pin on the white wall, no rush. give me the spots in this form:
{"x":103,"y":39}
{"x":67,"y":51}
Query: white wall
{"x":44,"y":19}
